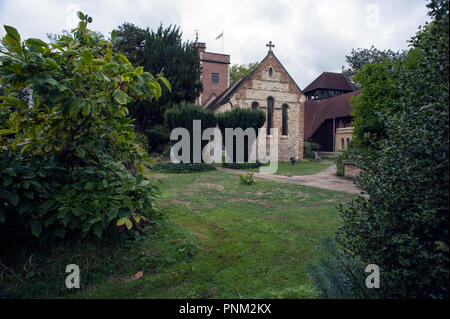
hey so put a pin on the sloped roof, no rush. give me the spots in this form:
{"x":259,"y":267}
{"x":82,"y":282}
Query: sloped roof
{"x":228,"y":93}
{"x":330,"y":80}
{"x":317,"y":111}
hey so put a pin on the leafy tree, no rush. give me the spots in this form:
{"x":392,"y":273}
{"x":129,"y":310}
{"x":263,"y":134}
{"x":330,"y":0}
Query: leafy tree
{"x":70,"y":163}
{"x":358,"y":58}
{"x":131,"y":42}
{"x":239,"y":71}
{"x":378,"y":99}
{"x":162,"y":51}
{"x":402,"y":224}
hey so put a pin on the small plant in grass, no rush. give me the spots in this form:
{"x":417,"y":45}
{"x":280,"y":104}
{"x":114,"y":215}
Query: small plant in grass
{"x":246,"y":179}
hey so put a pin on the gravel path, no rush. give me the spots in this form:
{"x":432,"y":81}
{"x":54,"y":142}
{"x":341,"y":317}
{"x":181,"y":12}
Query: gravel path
{"x":324,"y":179}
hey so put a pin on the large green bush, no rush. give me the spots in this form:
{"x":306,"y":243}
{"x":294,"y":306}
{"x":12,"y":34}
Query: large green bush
{"x":70,"y":162}
{"x":183,"y":116}
{"x":240,"y":118}
{"x":402,"y":224}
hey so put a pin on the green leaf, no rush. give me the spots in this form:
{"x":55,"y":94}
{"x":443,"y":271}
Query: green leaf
{"x":35,"y":228}
{"x":89,"y":186}
{"x":166,"y":83}
{"x":13,"y":199}
{"x":7,"y":132}
{"x":33,"y":41}
{"x":87,"y":56}
{"x":80,"y":15}
{"x":2,"y":216}
{"x":12,"y":32}
{"x":125,"y":221}
{"x":98,"y":229}
{"x":121,"y":97}
{"x":113,"y":35}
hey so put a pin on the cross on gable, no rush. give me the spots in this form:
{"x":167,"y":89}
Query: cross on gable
{"x":270,"y":46}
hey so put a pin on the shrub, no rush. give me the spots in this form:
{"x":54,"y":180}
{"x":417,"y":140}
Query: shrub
{"x":183,"y":116}
{"x":246,"y":179}
{"x":309,"y":149}
{"x":142,"y":141}
{"x":240,"y":118}
{"x":183,"y":167}
{"x":242,"y":165}
{"x":70,"y":163}
{"x":338,"y":275}
{"x":157,"y":137}
{"x":402,"y":223}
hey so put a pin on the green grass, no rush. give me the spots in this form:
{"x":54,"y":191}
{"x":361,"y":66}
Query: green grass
{"x":218,"y":239}
{"x":304,"y":167}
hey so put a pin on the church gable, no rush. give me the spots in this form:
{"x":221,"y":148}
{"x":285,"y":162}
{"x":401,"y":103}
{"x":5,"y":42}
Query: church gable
{"x":271,"y":89}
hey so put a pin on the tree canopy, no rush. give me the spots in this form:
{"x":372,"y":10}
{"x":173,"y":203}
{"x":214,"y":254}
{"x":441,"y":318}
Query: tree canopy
{"x":161,"y":51}
{"x":238,"y":71}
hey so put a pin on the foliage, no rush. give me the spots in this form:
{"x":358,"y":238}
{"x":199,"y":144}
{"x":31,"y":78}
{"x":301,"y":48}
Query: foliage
{"x":78,"y":129}
{"x":157,"y":51}
{"x":402,"y":224}
{"x":257,"y":164}
{"x":246,"y":179}
{"x":309,"y":149}
{"x":239,"y":71}
{"x":361,"y":57}
{"x":338,"y":275}
{"x":378,"y":100}
{"x":183,"y":116}
{"x":143,"y":141}
{"x":240,"y":118}
{"x":182,"y":167}
{"x":157,"y":137}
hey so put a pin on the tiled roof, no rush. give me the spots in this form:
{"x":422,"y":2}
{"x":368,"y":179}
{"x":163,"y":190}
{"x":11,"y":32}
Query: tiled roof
{"x":317,"y":111}
{"x":330,"y":80}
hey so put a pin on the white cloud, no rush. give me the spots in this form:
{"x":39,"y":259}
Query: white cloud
{"x":310,"y":36}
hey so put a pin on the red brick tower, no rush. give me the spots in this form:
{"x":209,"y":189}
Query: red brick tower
{"x":215,"y":73}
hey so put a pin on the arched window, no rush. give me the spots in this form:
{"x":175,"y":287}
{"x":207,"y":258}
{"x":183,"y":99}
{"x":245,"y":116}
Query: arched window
{"x":348,"y":142}
{"x":270,"y":71}
{"x":342,"y":144}
{"x":284,"y":120}
{"x":255,"y":105}
{"x":270,"y":103}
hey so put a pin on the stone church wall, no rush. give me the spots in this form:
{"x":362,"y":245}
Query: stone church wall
{"x":278,"y":85}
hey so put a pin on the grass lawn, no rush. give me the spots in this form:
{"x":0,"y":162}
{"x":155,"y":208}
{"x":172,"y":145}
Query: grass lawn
{"x":218,"y":239}
{"x":305,"y":167}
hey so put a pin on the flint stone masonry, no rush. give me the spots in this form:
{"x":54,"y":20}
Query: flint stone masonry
{"x":261,"y":85}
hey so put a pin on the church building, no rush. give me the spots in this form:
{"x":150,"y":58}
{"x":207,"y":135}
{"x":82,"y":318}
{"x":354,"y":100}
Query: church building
{"x":321,"y":113}
{"x":271,"y":89}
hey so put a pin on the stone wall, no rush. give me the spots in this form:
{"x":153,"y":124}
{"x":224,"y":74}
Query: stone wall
{"x":343,"y":133}
{"x":283,"y":89}
{"x":351,"y":171}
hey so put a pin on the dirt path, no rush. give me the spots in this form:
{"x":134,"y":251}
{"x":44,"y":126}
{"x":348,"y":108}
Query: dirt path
{"x":324,"y":179}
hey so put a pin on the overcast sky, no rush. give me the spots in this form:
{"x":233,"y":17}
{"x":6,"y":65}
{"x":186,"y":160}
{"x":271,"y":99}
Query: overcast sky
{"x":310,"y":36}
